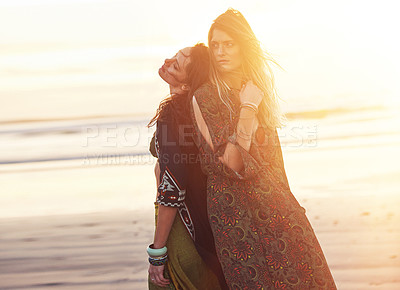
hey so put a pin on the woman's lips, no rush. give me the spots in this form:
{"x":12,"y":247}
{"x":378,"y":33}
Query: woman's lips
{"x":223,"y":62}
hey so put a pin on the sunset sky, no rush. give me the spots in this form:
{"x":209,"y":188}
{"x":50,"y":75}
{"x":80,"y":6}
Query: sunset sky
{"x":84,"y":54}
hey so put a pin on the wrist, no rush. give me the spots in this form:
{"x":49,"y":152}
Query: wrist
{"x":244,"y":132}
{"x":249,"y":106}
{"x":243,"y":136}
{"x":247,"y":112}
{"x":157,"y":246}
{"x":153,"y":252}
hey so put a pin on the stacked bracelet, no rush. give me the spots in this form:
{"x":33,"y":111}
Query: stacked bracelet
{"x":158,"y":261}
{"x":157,"y":257}
{"x":156,"y":252}
{"x":249,"y":105}
{"x":243,"y":135}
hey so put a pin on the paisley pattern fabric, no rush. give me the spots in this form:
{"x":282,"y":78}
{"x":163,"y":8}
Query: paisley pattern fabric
{"x":262,"y":235}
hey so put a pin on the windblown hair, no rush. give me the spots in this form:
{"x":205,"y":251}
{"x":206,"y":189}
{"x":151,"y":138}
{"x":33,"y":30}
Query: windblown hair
{"x":197,"y":72}
{"x":255,"y":66}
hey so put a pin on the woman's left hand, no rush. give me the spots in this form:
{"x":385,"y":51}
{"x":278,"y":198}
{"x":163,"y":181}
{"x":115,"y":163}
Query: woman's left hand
{"x":156,"y":274}
{"x":250,"y":93}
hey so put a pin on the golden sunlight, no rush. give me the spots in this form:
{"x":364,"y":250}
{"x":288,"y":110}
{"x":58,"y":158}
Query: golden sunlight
{"x":79,"y":83}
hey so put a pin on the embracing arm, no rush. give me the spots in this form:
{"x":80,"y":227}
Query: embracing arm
{"x":232,"y":155}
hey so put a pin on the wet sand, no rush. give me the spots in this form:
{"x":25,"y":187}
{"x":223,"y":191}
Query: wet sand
{"x":360,"y":239}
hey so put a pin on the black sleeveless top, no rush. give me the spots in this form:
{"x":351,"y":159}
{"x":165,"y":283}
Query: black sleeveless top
{"x":183,"y":184}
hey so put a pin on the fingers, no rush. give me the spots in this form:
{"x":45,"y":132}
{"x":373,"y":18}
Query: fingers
{"x":250,"y":85}
{"x":243,"y":88}
{"x":156,"y":274}
{"x":160,"y":276}
{"x":159,"y":282}
{"x":245,"y":84}
{"x":251,"y":93}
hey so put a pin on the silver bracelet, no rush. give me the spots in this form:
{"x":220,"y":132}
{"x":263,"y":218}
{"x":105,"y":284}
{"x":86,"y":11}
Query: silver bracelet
{"x":249,"y":105}
{"x":243,"y":132}
{"x":243,"y":137}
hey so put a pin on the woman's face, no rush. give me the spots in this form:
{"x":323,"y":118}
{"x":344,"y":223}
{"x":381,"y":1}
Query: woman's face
{"x":225,"y":51}
{"x":173,"y":70}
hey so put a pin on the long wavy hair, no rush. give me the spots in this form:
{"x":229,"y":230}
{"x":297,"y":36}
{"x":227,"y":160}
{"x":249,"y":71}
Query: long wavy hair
{"x":255,"y":66}
{"x":197,"y":73}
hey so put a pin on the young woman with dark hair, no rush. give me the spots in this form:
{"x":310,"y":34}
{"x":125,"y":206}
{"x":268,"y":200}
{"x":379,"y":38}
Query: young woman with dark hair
{"x":182,"y":255}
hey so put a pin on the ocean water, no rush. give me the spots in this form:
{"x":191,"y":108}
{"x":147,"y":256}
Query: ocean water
{"x":102,"y":141}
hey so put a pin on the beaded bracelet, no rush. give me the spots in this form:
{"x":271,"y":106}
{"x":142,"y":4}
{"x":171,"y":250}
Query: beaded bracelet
{"x":158,"y":262}
{"x":159,"y":258}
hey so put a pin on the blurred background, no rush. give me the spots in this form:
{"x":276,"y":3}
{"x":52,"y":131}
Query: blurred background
{"x":79,"y":83}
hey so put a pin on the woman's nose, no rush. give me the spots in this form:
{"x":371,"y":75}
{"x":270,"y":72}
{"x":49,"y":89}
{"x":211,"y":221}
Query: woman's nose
{"x":168,"y":61}
{"x":220,"y":50}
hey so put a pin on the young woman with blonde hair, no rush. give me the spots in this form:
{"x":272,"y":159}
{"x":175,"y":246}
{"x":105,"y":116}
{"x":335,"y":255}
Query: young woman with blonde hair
{"x":262,"y":236}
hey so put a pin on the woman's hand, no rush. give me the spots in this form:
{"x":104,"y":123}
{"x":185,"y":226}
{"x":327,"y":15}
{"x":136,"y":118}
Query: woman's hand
{"x":156,"y":274}
{"x":250,"y":93}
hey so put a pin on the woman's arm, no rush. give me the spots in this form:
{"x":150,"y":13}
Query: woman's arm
{"x":165,"y":219}
{"x":232,"y":156}
{"x":246,"y":125}
{"x":171,"y":188}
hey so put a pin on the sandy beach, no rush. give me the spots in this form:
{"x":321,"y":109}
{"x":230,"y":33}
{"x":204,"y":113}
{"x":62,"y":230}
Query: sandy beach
{"x":74,"y":225}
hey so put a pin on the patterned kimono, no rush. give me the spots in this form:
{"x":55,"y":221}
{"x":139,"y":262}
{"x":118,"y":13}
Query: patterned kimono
{"x":262,"y":235}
